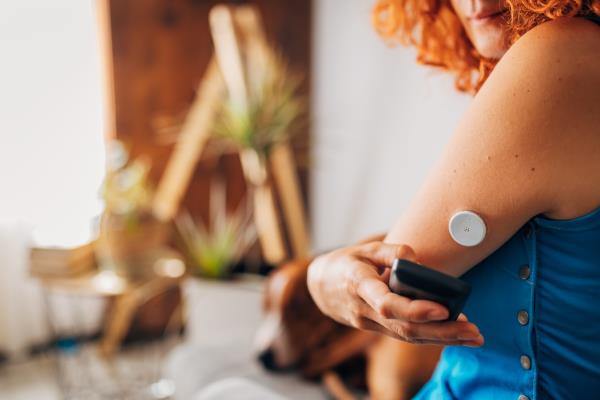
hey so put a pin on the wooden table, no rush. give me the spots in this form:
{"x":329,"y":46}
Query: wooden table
{"x":127,"y":295}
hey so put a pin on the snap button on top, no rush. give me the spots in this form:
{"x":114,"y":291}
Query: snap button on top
{"x":525,"y":362}
{"x":523,"y":317}
{"x":524,"y":272}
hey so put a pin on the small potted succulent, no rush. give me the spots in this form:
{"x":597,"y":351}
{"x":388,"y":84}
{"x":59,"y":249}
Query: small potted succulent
{"x":214,"y":249}
{"x":272,"y":114}
{"x":258,"y":128}
{"x":128,"y":231}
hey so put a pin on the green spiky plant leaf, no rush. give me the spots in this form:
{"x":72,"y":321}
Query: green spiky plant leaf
{"x":126,"y":189}
{"x":272,"y":115}
{"x":214,"y":250}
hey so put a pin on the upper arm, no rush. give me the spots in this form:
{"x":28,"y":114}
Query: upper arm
{"x":514,"y":154}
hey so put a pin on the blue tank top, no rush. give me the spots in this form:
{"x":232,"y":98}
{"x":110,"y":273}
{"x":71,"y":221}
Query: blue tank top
{"x":536,"y":301}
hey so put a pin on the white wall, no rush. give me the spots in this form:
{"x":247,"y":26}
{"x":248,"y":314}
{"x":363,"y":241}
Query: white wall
{"x":51,"y":142}
{"x":51,"y":147}
{"x":380,"y":121}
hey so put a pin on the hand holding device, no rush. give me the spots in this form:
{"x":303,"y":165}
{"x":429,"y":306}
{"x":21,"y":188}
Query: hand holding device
{"x":419,"y":282}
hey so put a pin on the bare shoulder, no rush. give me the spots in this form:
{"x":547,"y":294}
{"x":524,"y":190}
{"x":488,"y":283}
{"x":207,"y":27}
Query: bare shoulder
{"x":548,"y":87}
{"x":558,"y":54}
{"x":529,"y":144}
{"x":571,"y":31}
{"x":577,"y":37}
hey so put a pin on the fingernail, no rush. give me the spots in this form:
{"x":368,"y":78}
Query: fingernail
{"x":437,"y":314}
{"x":468,"y":335}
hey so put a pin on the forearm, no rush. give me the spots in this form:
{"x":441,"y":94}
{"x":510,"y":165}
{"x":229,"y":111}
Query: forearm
{"x":373,"y":238}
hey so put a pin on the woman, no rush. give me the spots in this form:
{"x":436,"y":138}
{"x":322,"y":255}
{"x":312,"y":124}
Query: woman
{"x":526,"y":158}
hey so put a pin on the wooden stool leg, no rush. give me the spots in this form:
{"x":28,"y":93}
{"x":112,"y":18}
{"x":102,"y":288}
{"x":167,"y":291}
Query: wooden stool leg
{"x":288,"y":185}
{"x":194,"y":135}
{"x":118,"y":322}
{"x":266,"y":216}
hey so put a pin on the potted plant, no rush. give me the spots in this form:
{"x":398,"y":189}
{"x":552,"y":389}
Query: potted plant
{"x":270,"y":116}
{"x":214,"y":249}
{"x":128,"y":231}
{"x":259,"y":127}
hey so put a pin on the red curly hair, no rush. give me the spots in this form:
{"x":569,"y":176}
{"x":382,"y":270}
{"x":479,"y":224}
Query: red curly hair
{"x":435,"y":30}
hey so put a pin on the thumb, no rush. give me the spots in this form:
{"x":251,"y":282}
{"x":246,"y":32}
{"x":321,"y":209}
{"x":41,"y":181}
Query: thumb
{"x":383,"y":254}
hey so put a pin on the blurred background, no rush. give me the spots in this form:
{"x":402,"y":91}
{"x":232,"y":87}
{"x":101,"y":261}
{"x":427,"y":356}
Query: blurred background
{"x":158,"y":158}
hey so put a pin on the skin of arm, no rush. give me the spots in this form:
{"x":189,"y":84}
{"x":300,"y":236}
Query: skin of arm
{"x":528,"y":145}
{"x":515,"y":153}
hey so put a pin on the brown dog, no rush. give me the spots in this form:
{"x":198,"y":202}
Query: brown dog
{"x":296,"y":335}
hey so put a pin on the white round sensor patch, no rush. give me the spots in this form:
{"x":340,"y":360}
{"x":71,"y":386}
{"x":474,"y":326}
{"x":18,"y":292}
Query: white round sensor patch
{"x":467,"y":228}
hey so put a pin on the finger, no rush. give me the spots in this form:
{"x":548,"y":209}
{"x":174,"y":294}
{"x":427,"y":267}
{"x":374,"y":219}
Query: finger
{"x":385,"y":275}
{"x":368,"y":324}
{"x":445,"y":342}
{"x":389,"y":305}
{"x":442,"y":331}
{"x":384,"y":254}
{"x":453,"y":343}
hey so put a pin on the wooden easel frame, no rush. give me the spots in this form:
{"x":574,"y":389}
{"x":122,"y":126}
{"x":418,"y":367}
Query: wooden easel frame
{"x":240,"y":48}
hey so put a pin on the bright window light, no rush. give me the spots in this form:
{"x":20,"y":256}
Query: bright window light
{"x":51,"y":118}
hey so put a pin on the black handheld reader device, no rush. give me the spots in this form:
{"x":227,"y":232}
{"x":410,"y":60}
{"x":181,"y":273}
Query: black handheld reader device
{"x":418,"y":282}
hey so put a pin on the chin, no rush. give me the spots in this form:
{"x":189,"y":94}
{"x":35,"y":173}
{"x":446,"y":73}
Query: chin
{"x":491,"y":43}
